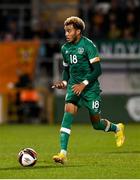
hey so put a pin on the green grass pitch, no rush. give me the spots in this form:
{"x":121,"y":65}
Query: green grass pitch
{"x":92,"y":154}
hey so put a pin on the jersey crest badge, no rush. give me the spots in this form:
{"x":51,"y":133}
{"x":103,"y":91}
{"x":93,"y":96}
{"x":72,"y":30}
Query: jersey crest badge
{"x":80,"y":50}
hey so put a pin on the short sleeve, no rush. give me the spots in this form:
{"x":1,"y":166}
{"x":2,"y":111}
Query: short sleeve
{"x":92,"y":52}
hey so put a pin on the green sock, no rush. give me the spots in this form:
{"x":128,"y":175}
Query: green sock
{"x":65,"y":129}
{"x":67,"y":120}
{"x":113,"y":127}
{"x":64,"y":138}
{"x":105,"y":125}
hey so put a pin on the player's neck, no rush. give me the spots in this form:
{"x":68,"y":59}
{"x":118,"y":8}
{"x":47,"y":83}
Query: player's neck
{"x":77,"y":40}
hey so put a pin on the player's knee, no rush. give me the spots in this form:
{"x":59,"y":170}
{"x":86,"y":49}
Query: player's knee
{"x":95,"y":120}
{"x":71,"y":108}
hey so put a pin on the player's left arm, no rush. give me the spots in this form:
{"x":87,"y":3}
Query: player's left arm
{"x":94,"y":59}
{"x":96,"y":72}
{"x":78,"y":88}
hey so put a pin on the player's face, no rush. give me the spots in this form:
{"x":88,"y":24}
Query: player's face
{"x":72,"y":34}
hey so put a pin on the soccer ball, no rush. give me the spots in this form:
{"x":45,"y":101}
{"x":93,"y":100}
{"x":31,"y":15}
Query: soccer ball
{"x":27,"y":157}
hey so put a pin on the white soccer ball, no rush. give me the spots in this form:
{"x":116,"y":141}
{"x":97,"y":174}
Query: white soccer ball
{"x":27,"y":157}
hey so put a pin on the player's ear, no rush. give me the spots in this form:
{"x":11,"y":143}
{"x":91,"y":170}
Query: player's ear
{"x":78,"y":31}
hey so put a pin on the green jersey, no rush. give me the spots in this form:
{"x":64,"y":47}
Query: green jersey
{"x":79,"y":57}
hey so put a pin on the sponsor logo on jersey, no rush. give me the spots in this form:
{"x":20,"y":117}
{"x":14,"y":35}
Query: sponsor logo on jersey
{"x":80,"y":50}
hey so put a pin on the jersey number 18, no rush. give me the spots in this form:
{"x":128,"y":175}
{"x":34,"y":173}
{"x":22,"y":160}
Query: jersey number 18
{"x":73,"y":59}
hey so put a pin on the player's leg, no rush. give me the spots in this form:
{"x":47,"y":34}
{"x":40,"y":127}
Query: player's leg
{"x":70,"y":110}
{"x":93,"y":103}
{"x":103,"y":124}
{"x":106,"y":125}
{"x":71,"y":106}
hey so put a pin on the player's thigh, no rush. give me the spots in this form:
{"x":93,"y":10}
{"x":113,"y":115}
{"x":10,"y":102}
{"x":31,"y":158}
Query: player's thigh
{"x":93,"y":103}
{"x":71,"y":97}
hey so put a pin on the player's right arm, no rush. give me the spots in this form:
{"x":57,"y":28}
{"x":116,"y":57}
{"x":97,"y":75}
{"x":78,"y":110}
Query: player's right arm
{"x":65,"y":74}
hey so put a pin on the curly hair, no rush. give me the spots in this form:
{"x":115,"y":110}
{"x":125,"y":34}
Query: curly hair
{"x":77,"y":22}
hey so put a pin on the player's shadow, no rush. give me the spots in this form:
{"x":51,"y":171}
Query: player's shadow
{"x":38,"y":167}
{"x":123,"y":152}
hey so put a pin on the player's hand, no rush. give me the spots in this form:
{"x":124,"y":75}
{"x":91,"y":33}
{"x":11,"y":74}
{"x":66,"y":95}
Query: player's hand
{"x":59,"y":85}
{"x":78,"y":88}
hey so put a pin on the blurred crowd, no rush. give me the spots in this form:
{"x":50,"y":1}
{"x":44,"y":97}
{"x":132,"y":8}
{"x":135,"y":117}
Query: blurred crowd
{"x":115,"y":21}
{"x":104,"y":20}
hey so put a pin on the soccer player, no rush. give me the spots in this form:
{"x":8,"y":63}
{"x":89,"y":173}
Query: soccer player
{"x":82,"y":68}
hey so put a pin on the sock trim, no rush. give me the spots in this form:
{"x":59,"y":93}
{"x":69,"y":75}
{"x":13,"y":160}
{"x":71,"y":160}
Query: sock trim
{"x":66,"y":130}
{"x":108,"y":126}
{"x":63,"y":151}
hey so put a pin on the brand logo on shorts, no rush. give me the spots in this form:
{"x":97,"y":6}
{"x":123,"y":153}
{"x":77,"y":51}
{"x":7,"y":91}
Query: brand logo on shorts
{"x":80,"y":50}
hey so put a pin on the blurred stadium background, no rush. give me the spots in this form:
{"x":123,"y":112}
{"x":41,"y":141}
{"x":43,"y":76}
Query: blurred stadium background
{"x":31,"y":34}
